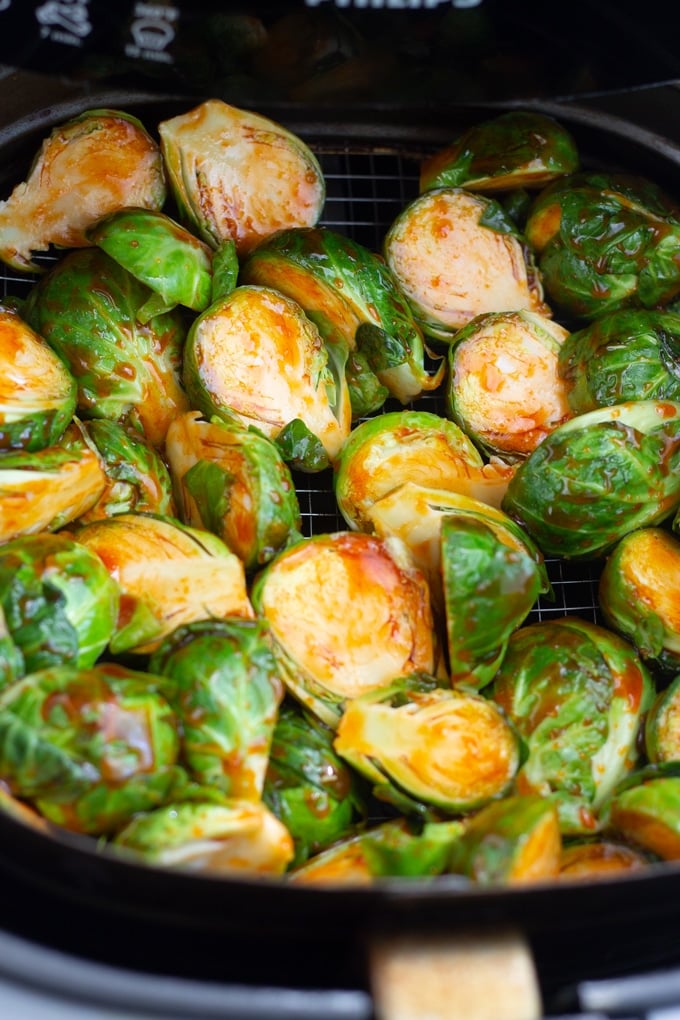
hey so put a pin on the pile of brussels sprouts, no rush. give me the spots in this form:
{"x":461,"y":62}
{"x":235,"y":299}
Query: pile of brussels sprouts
{"x":189,"y":679}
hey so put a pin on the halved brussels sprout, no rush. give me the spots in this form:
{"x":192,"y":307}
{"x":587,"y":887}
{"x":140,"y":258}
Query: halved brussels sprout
{"x":646,"y":812}
{"x":515,"y":840}
{"x":225,"y":690}
{"x":606,"y":241}
{"x":399,"y":848}
{"x":662,"y":725}
{"x":504,"y":387}
{"x":236,"y":174}
{"x":234,"y":482}
{"x":457,"y":255}
{"x":349,"y":612}
{"x":86,"y":309}
{"x":426,"y":746}
{"x":169,"y":574}
{"x":353,"y":298}
{"x":639,"y":595}
{"x":160,"y":253}
{"x":316,"y":795}
{"x":633,"y":354}
{"x":89,"y":747}
{"x":491,"y":580}
{"x":256,"y":357}
{"x":384,"y":453}
{"x":97,"y":162}
{"x":517,"y":149}
{"x":37,"y":391}
{"x":232,"y":837}
{"x":577,"y":693}
{"x":45,"y":490}
{"x":59,"y":602}
{"x":599,"y":476}
{"x":138,"y":480}
{"x":601,"y":858}
{"x":414,"y":513}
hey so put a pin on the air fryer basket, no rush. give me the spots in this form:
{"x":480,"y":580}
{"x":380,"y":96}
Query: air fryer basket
{"x":371,"y":170}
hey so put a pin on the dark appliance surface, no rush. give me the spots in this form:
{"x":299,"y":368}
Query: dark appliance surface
{"x":83,"y":935}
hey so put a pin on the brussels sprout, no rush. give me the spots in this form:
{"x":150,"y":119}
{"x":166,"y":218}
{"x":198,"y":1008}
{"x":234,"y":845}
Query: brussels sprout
{"x":398,"y":847}
{"x":308,"y":787}
{"x":89,"y":747}
{"x":516,"y":840}
{"x":349,"y":612}
{"x":45,"y":490}
{"x":353,"y":298}
{"x":256,"y":357}
{"x":97,"y":162}
{"x":225,"y":690}
{"x":457,"y":255}
{"x":414,"y":513}
{"x":86,"y":309}
{"x":633,"y":354}
{"x":504,"y":387}
{"x":601,"y":858}
{"x":233,"y":837}
{"x":577,"y":694}
{"x":37,"y":391}
{"x":397,"y":447}
{"x":662,"y":725}
{"x":236,"y":174}
{"x":517,"y":149}
{"x":234,"y":482}
{"x":491,"y":581}
{"x":423,"y":745}
{"x":59,"y":602}
{"x":598,"y":477}
{"x":138,"y":480}
{"x":160,"y":253}
{"x":639,"y":596}
{"x":169,"y":574}
{"x":606,"y":242}
{"x":647,"y":813}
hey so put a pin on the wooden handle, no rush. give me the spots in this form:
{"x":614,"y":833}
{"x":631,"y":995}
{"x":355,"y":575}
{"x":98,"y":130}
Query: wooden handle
{"x":462,"y":976}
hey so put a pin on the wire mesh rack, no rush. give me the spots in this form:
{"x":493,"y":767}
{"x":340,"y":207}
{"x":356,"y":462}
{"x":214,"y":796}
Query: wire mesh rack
{"x":367,"y":186}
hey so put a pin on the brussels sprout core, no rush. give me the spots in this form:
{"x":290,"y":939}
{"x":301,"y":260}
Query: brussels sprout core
{"x":236,"y":174}
{"x":98,"y":162}
{"x":348,"y":613}
{"x":455,"y":255}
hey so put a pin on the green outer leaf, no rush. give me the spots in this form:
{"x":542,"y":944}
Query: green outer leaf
{"x":91,"y":746}
{"x":624,"y":355}
{"x":86,"y":309}
{"x":225,"y":690}
{"x":489,"y":589}
{"x":160,"y":253}
{"x":577,"y":693}
{"x":301,"y":448}
{"x":599,"y":476}
{"x":307,"y":785}
{"x":517,"y":144}
{"x":59,"y":601}
{"x":139,"y":480}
